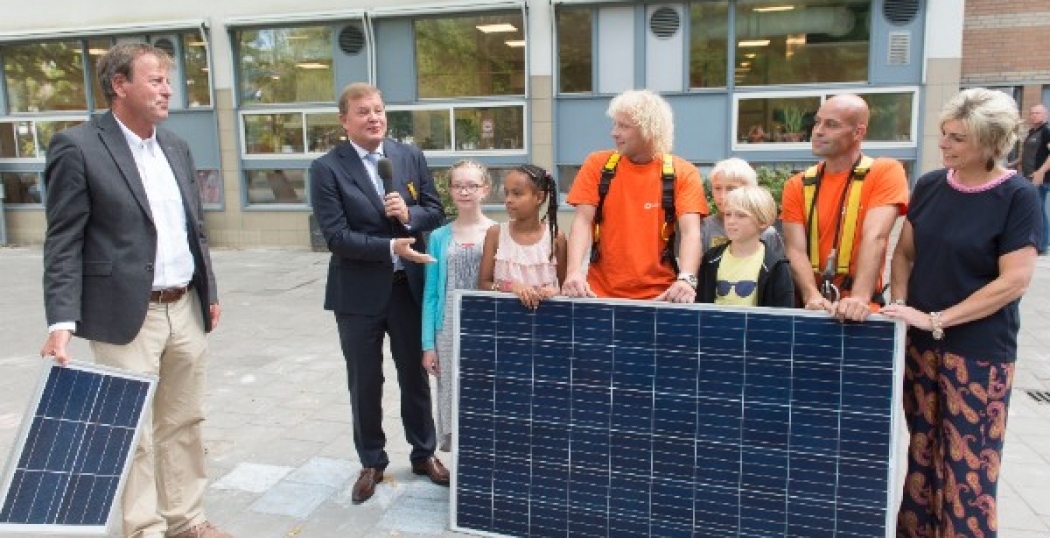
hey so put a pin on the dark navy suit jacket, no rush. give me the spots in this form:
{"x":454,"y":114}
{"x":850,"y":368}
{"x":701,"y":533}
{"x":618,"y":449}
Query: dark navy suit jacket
{"x":350,"y":215}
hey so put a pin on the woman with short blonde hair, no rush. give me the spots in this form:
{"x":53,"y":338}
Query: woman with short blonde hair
{"x":965,"y":256}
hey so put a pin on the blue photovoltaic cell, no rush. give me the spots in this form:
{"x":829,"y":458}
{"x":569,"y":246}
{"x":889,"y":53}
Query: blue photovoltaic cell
{"x":587,"y":418}
{"x":77,"y":445}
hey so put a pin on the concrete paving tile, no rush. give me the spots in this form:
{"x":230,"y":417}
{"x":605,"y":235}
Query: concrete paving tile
{"x":1037,"y":498}
{"x":333,"y":473}
{"x":251,"y":524}
{"x":290,"y":452}
{"x":253,"y":477}
{"x":419,"y":514}
{"x":340,"y":446}
{"x":316,"y":430}
{"x":1019,"y":516}
{"x":274,"y":377}
{"x":292,"y":499}
{"x":1014,"y":533}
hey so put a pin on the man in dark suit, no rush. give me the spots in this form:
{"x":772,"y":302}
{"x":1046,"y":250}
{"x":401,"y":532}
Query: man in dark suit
{"x":375,"y":277}
{"x":126,"y":266}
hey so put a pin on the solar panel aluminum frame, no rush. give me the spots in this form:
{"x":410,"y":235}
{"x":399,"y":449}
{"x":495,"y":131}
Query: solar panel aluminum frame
{"x":24,"y":429}
{"x":894,"y":457}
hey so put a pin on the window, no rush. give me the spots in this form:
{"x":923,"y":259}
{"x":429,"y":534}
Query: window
{"x":285,"y":65}
{"x":490,"y":128}
{"x":575,"y":27}
{"x":28,"y":139}
{"x":22,"y":188}
{"x":785,"y":117}
{"x":500,"y":127}
{"x":43,"y":77}
{"x":195,"y":67}
{"x":776,"y":119}
{"x":428,"y":129}
{"x":277,"y":186}
{"x":96,"y":48}
{"x":891,"y":116}
{"x":210,"y":184}
{"x":809,"y":41}
{"x":708,"y":44}
{"x":17,"y":140}
{"x":289,"y":133}
{"x":470,"y":56}
{"x":273,"y":133}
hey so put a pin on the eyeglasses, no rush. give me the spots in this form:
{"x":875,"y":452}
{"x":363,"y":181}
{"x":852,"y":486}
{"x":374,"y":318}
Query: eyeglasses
{"x":743,"y":287}
{"x":468,"y":188}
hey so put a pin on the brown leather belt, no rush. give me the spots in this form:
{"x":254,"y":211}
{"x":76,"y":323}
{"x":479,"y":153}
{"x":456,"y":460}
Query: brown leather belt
{"x":169,"y":295}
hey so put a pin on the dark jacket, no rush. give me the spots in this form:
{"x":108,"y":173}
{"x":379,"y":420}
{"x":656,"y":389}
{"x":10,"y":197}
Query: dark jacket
{"x":350,"y":214}
{"x":775,"y":287}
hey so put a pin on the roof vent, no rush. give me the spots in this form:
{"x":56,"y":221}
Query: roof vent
{"x":351,"y":39}
{"x":900,"y":12}
{"x":899,"y":49}
{"x":664,"y":22}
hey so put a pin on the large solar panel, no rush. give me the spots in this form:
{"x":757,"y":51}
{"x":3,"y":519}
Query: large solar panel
{"x":624,"y":418}
{"x":77,"y":439}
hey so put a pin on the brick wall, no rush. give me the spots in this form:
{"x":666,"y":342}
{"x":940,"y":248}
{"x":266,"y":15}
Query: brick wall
{"x":1005,"y":42}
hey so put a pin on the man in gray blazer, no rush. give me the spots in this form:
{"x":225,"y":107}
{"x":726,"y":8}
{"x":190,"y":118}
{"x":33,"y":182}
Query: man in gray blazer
{"x":127,"y":267}
{"x":375,"y":277}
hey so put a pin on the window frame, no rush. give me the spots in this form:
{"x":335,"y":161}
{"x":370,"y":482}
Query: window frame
{"x":823,"y":93}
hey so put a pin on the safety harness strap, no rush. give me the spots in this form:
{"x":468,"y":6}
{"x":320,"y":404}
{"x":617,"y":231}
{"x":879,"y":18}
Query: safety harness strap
{"x":667,"y":230}
{"x":840,"y":257}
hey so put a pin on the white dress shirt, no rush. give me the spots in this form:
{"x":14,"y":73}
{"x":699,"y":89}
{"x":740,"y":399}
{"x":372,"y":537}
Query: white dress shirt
{"x":173,"y":266}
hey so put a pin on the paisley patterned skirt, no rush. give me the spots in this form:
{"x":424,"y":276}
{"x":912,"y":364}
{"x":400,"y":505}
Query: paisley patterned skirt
{"x":956,"y":411}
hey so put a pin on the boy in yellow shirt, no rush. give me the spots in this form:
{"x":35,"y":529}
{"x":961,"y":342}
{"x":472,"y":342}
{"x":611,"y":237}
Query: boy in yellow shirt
{"x":746,"y":271}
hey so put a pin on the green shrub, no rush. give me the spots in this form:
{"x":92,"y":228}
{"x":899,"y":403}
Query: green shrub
{"x":441,"y":183}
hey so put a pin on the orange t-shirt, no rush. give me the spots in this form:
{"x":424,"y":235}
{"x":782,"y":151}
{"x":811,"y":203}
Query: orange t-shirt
{"x":632,"y":217}
{"x":885,"y":184}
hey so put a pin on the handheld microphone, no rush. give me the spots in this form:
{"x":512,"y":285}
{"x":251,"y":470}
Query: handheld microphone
{"x":386,"y":173}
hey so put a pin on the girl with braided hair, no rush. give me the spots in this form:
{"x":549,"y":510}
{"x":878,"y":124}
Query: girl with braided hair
{"x":526,"y":256}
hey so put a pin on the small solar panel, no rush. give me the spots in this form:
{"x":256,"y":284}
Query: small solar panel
{"x":68,"y":466}
{"x":632,"y":418}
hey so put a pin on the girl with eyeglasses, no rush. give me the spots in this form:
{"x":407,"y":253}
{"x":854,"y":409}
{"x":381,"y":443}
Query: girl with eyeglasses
{"x":457,"y":248}
{"x":746,"y":271}
{"x":526,"y":256}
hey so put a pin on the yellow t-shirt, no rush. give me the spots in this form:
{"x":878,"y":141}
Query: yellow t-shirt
{"x":737,"y":282}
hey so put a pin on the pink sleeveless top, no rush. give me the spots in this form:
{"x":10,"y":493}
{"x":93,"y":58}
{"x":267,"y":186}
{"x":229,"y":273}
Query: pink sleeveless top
{"x":531,"y":265}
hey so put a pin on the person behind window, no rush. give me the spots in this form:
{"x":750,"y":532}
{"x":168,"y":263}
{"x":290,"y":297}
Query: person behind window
{"x":526,"y":256}
{"x":727,"y":175}
{"x":457,"y":248}
{"x":746,"y":271}
{"x":965,"y":256}
{"x":756,"y":134}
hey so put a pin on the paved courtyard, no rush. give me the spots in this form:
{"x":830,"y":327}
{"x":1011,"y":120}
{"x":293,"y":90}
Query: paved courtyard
{"x":278,"y":430}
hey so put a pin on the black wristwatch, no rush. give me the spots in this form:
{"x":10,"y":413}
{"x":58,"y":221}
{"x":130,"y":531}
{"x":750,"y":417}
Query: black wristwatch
{"x":688,"y":278}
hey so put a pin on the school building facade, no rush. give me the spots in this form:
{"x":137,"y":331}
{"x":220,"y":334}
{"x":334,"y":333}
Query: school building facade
{"x":503,"y":82}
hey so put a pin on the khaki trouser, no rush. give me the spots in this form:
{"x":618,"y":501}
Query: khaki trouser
{"x":164,"y":489}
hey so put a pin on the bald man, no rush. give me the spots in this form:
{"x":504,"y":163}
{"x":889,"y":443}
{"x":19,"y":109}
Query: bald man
{"x":1035,"y":160}
{"x":835,"y":270}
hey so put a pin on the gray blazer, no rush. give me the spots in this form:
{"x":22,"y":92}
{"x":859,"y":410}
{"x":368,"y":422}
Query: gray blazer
{"x":101,"y":242}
